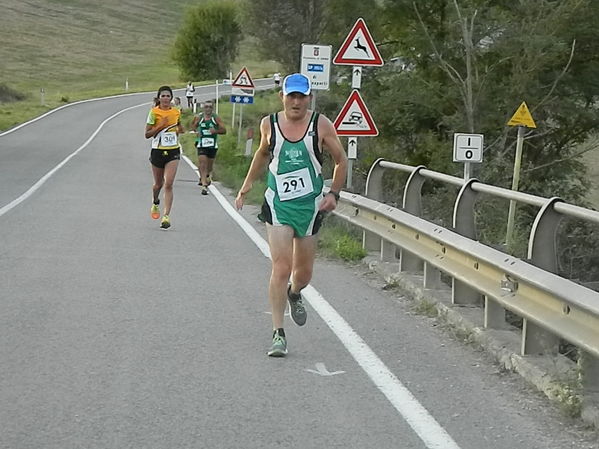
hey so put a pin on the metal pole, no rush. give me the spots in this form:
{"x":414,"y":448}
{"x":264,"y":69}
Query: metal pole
{"x":352,"y":153}
{"x":240,"y":121}
{"x":515,"y":181}
{"x":467,"y":171}
{"x":233,"y":117}
{"x":216,"y":98}
{"x":350,"y":170}
{"x":352,"y":149}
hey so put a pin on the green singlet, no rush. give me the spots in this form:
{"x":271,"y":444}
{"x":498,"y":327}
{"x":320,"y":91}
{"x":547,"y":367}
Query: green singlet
{"x":294,"y":185}
{"x":205,"y":138}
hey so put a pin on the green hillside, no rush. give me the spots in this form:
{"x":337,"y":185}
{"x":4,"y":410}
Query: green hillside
{"x":75,"y":49}
{"x":75,"y":45}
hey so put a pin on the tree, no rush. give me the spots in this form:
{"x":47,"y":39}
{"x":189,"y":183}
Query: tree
{"x":208,"y":40}
{"x":465,"y":66}
{"x":293,"y":22}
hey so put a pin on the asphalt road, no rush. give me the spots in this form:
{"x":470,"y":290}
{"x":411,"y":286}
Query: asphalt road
{"x":117,"y":334}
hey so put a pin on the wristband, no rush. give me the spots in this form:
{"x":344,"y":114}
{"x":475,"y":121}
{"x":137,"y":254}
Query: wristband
{"x":335,"y":194}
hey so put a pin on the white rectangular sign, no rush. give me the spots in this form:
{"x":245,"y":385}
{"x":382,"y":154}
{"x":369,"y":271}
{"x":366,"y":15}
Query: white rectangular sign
{"x":242,"y":91}
{"x":467,"y":147}
{"x":316,"y":65}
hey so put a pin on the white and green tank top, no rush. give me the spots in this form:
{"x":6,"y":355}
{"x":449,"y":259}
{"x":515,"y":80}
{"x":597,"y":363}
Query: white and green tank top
{"x":205,"y":139}
{"x":294,"y":185}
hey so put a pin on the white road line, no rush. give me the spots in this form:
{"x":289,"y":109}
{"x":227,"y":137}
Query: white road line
{"x":420,"y":420}
{"x":52,"y":111}
{"x":47,"y":176}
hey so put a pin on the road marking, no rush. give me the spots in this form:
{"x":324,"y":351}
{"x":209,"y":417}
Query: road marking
{"x":52,"y":111}
{"x":322,"y":370}
{"x":432,"y":434}
{"x":43,"y":179}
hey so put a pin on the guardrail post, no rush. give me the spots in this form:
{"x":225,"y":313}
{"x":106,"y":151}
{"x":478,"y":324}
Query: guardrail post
{"x":589,"y":367}
{"x":374,"y":191}
{"x":412,"y":203}
{"x":542,"y":252}
{"x":432,"y":276}
{"x":463,"y":224}
{"x":388,"y":251}
{"x":494,"y":315}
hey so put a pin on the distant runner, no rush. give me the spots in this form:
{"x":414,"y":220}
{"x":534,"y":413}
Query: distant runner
{"x":189,"y":91}
{"x":208,"y":127}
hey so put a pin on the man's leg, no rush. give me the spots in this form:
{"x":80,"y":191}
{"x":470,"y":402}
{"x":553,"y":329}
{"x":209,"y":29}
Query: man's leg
{"x":280,"y":240}
{"x":209,"y":165}
{"x":304,"y":252}
{"x":203,"y":166}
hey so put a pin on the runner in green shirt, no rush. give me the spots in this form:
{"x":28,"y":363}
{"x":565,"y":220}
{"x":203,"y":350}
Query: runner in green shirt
{"x":291,"y":146}
{"x":208,"y":126}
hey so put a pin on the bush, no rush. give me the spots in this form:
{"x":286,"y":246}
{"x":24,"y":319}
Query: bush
{"x":338,"y":240}
{"x":8,"y":95}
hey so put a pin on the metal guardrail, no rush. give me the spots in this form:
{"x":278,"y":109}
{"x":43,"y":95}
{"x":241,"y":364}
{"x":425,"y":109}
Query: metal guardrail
{"x":552,"y":307}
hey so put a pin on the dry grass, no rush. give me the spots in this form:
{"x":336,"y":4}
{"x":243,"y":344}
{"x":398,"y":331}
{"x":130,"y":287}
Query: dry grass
{"x":72,"y":45}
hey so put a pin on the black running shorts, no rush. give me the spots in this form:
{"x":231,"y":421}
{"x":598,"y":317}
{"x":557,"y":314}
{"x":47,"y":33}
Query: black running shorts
{"x":209,"y":152}
{"x":159,"y":158}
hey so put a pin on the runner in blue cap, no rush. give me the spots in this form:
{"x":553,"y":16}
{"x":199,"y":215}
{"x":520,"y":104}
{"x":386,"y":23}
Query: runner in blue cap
{"x":291,"y":146}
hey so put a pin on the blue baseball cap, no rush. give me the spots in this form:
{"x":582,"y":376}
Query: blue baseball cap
{"x":296,"y":82}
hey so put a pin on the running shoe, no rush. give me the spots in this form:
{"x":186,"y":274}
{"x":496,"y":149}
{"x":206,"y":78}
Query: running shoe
{"x":205,"y":190}
{"x":209,"y":179}
{"x":155,"y":211}
{"x":166,"y":222}
{"x":279,"y":345}
{"x":296,"y":307}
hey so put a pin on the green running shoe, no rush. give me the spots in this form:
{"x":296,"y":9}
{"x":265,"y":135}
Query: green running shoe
{"x":166,"y":222}
{"x":296,"y":307}
{"x":279,"y":345}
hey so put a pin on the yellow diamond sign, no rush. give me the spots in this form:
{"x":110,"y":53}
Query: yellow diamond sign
{"x":522,"y":117}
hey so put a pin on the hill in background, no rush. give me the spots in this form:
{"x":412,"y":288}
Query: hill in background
{"x":85,"y":45}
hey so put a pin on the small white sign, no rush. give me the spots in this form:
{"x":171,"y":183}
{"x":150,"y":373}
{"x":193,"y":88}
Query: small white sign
{"x":316,"y":65}
{"x":352,"y":147}
{"x":242,"y":91}
{"x":467,"y":147}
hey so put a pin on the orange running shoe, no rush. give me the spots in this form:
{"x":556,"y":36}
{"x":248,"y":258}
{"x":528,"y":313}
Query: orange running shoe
{"x":155,"y":212}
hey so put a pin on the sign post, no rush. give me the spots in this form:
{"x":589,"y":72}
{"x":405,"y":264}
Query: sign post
{"x":358,"y":49}
{"x":354,"y":120}
{"x":521,"y":119}
{"x":467,"y":148}
{"x":316,"y":65}
{"x":242,"y":92}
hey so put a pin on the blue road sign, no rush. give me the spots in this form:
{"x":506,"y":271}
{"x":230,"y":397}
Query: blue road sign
{"x":243,"y":99}
{"x":315,"y":67}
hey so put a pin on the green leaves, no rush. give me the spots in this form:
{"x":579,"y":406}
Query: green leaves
{"x":208,"y":40}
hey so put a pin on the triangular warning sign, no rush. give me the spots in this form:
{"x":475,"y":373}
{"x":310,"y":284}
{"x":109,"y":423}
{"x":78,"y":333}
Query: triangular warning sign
{"x":354,"y":118}
{"x":243,"y":79}
{"x":522,"y":117}
{"x":358,"y":48}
